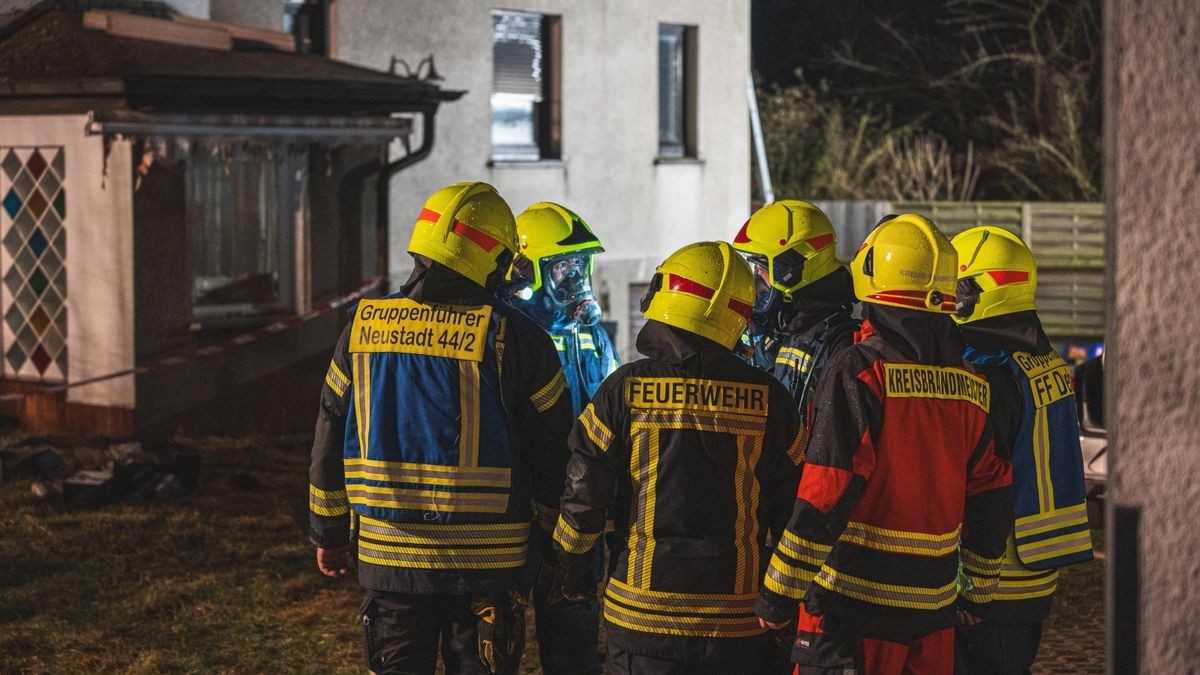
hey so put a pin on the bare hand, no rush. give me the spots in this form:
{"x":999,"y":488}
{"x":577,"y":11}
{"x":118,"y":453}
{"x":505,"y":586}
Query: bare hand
{"x":773,"y":626}
{"x":335,"y":562}
{"x":968,"y":619}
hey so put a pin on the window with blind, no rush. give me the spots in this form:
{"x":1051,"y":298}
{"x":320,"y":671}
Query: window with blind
{"x":676,"y":91}
{"x":525,"y":86}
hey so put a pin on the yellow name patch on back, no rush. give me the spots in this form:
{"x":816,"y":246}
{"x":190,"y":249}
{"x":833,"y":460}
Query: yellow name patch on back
{"x":676,"y":393}
{"x":409,"y":327}
{"x":905,"y":380}
{"x":1049,"y":376}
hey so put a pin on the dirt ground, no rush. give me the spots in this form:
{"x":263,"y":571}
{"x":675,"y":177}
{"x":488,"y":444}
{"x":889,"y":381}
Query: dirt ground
{"x":1074,"y":639}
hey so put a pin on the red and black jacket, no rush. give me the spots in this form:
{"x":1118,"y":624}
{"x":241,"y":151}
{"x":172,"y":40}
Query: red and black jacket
{"x":902,"y":480}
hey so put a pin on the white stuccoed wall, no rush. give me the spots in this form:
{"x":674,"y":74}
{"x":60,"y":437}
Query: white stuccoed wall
{"x":99,"y":245}
{"x":1153,"y":381}
{"x":199,"y":8}
{"x":639,"y":209}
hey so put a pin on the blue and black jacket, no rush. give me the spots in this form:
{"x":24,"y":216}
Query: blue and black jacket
{"x":443,"y":420}
{"x":1050,"y":528}
{"x":819,"y":325}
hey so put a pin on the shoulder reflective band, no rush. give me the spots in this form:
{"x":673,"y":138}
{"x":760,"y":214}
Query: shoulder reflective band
{"x":409,"y":327}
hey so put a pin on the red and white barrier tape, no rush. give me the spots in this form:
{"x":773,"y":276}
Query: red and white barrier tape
{"x":223,"y":346}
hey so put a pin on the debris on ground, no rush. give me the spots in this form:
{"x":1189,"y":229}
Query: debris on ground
{"x":90,"y":475}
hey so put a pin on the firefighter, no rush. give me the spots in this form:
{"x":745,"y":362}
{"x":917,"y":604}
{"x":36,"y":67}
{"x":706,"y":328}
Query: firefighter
{"x":805,"y":297}
{"x":997,"y":280}
{"x":900,"y":464}
{"x":556,"y":249}
{"x":702,"y":446}
{"x":444,"y":412}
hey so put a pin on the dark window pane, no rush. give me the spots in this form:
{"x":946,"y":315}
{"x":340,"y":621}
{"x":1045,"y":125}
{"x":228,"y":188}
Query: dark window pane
{"x":233,"y":223}
{"x":671,"y":94}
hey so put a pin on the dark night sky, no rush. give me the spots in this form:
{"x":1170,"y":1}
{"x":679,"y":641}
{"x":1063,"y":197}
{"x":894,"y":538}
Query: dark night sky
{"x":792,"y":33}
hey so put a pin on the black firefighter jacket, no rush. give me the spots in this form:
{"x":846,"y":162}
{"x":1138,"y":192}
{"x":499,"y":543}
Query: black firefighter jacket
{"x":703,"y":450}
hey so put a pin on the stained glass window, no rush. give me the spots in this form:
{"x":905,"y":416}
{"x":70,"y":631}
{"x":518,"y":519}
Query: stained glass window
{"x":33,"y":253}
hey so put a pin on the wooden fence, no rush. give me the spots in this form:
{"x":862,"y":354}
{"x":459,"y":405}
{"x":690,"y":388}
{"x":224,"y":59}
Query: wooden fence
{"x":1067,"y":238}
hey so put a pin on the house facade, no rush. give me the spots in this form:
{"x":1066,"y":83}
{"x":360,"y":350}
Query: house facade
{"x":633,"y":114}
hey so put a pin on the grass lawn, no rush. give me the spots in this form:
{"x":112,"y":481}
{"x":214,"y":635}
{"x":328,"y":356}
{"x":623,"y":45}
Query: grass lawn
{"x":221,"y":581}
{"x":224,"y":581}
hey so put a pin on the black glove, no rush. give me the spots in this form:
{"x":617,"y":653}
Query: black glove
{"x":501,"y":631}
{"x":569,"y":581}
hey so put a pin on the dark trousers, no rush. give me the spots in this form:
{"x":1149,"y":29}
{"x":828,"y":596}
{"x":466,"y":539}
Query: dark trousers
{"x":736,"y":656}
{"x":566,"y":635}
{"x":992,"y":648}
{"x":827,"y":647}
{"x":567,"y":632}
{"x":403,"y":632}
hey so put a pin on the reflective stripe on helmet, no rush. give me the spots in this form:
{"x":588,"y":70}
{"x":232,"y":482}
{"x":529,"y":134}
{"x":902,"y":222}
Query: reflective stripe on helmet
{"x":1006,"y":277}
{"x":679,"y":283}
{"x":820,"y":242}
{"x":481,"y":239}
{"x":916,"y":299}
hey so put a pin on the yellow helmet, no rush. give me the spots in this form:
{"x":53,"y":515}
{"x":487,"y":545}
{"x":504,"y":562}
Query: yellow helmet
{"x":997,"y":274}
{"x":467,"y":227}
{"x":547,"y":230}
{"x":704,"y":288}
{"x":906,"y":262}
{"x":794,"y":243}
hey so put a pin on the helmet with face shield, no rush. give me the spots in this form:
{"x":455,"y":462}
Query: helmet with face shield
{"x":555,"y":260}
{"x":789,"y":245}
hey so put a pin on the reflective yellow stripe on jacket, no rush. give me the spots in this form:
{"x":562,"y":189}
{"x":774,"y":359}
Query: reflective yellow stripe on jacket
{"x":901,"y":541}
{"x":889,"y":595}
{"x":1018,"y":582}
{"x":543,"y":399}
{"x":429,"y":487}
{"x":571,"y":539}
{"x":685,"y":614}
{"x":982,"y":574}
{"x":442,"y":545}
{"x":795,"y":562}
{"x":327,"y":502}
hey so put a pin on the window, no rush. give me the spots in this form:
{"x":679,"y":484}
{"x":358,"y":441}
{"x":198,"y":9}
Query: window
{"x":676,"y":91}
{"x":240,"y":224}
{"x":525,"y":86}
{"x":312,"y":23}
